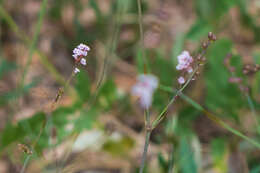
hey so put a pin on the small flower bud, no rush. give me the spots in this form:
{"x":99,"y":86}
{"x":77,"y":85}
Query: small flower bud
{"x":204,"y":45}
{"x":181,"y":80}
{"x":199,"y":57}
{"x":245,"y":71}
{"x":76,"y":70}
{"x":214,"y":38}
{"x":210,"y":35}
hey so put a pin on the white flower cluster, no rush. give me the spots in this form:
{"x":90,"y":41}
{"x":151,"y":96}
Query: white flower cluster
{"x":184,"y":64}
{"x":79,"y":53}
{"x":144,"y":89}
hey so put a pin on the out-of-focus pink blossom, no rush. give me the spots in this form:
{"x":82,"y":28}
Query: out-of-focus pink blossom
{"x":184,"y":62}
{"x":144,"y":89}
{"x":235,"y":80}
{"x":181,"y":80}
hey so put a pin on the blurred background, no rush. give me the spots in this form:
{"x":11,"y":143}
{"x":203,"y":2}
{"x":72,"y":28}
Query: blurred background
{"x":97,"y":126}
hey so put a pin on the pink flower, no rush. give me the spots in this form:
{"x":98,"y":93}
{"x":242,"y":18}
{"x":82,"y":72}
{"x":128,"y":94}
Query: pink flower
{"x":83,"y":61}
{"x":76,"y":70}
{"x":81,"y":51}
{"x":144,"y":89}
{"x":181,"y":80}
{"x":184,"y":62}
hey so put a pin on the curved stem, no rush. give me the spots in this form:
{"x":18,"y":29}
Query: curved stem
{"x":213,"y":117}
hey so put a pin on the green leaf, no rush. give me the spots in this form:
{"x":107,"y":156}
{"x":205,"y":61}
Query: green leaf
{"x":139,"y":61}
{"x":177,"y":47}
{"x":85,"y":120}
{"x":25,"y":128}
{"x":214,"y":9}
{"x":6,"y":66}
{"x":83,"y":86}
{"x":119,"y":147}
{"x":222,"y":96}
{"x":186,"y":159}
{"x":12,"y":95}
{"x":198,"y":30}
{"x":218,"y":151}
{"x":107,"y":94}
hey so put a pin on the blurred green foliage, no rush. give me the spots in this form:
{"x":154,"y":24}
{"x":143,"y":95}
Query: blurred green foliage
{"x":219,"y":96}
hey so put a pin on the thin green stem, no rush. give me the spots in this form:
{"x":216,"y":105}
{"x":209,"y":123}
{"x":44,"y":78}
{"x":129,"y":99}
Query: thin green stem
{"x":163,"y":113}
{"x":109,"y":51}
{"x":25,"y":163}
{"x":144,"y":155}
{"x":140,"y":21}
{"x":171,"y":160}
{"x":34,"y":41}
{"x":148,"y":132}
{"x":252,"y":108}
{"x":43,"y":59}
{"x":213,"y":117}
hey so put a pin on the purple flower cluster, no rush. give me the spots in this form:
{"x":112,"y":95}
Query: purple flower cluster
{"x":79,"y":53}
{"x":144,"y":89}
{"x":184,"y":64}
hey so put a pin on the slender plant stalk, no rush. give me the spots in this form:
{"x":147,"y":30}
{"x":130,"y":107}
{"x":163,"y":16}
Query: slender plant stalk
{"x":25,"y":163}
{"x":250,"y":103}
{"x":109,"y":52}
{"x":48,"y":119}
{"x":252,"y":108}
{"x":171,"y":160}
{"x":148,"y":132}
{"x":163,"y":113}
{"x":34,"y":41}
{"x":212,"y":116}
{"x":43,"y":59}
{"x":140,"y":21}
{"x":144,"y":155}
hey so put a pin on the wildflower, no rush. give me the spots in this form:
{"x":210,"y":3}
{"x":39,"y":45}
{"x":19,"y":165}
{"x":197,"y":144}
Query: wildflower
{"x":80,"y":52}
{"x":83,"y":61}
{"x":184,"y":62}
{"x":144,"y":89}
{"x":181,"y":80}
{"x":76,"y":70}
